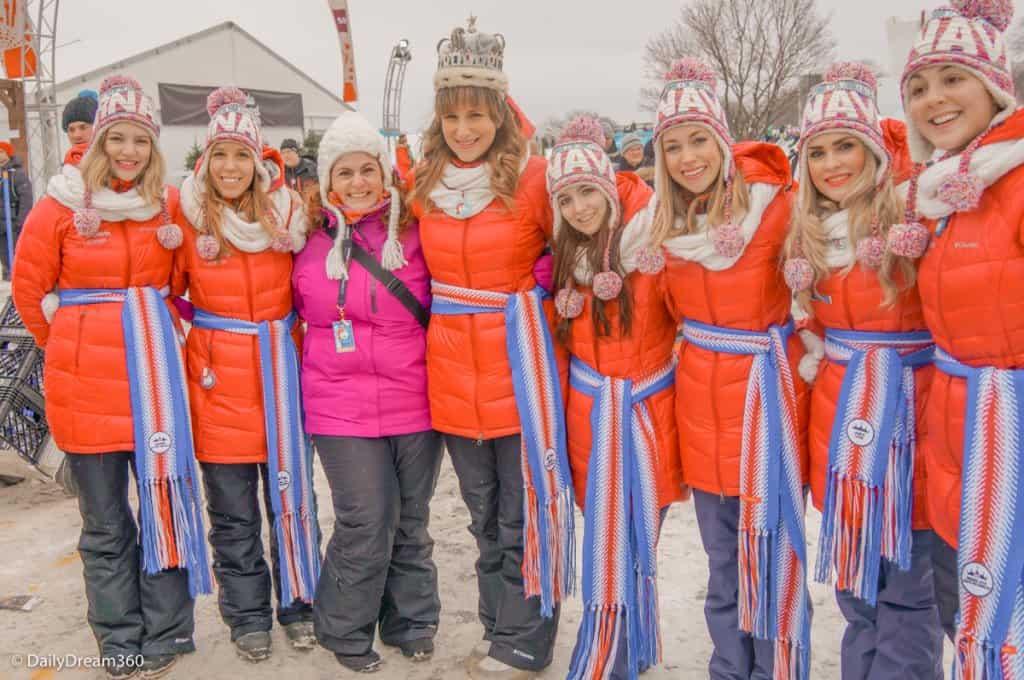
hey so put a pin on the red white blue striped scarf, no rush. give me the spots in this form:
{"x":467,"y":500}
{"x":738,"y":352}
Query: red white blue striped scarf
{"x":289,"y":456}
{"x":773,"y":597}
{"x":171,"y":518}
{"x":990,"y":557}
{"x":869,"y":494}
{"x":548,"y":533}
{"x":621,"y":519}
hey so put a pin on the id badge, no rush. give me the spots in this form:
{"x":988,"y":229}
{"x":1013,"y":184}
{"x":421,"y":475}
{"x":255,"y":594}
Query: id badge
{"x":344,"y":338}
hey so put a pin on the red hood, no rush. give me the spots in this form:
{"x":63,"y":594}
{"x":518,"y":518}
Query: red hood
{"x":75,"y":153}
{"x":273,"y":156}
{"x":634,"y":194}
{"x":1011,"y":129}
{"x":762,"y":163}
{"x":895,"y":135}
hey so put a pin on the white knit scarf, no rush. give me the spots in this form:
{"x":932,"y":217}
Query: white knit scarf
{"x":68,"y":188}
{"x":248,"y":237}
{"x":464,"y":192}
{"x":988,"y":163}
{"x":700,"y":248}
{"x":836,"y":231}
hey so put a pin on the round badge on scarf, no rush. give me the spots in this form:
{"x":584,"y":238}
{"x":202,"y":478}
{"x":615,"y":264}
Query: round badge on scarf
{"x":284,"y":480}
{"x":977,"y":579}
{"x":207,"y":380}
{"x":159,"y":443}
{"x":860,"y":432}
{"x":550,"y":459}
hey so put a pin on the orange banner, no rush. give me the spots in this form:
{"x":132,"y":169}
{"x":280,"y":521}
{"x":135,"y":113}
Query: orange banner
{"x":342,"y":22}
{"x":15,"y":40}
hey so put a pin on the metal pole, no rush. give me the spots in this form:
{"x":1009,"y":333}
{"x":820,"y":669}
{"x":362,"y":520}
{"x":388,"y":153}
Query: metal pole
{"x":6,"y":180}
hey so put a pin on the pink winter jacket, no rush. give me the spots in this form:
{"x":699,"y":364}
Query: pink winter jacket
{"x":380,"y":389}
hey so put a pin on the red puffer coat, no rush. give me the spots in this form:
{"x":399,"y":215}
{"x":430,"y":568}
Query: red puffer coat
{"x":854,"y":302}
{"x":646,"y":349}
{"x":88,"y":407}
{"x":469,"y":377}
{"x":751,"y":295}
{"x":972,"y":287}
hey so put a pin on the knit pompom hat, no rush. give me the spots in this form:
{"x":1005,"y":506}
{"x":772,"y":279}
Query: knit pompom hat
{"x":690,"y":97}
{"x":351,"y":132}
{"x":579,"y":158}
{"x":121,"y":100}
{"x":471,"y":58}
{"x":969,"y":34}
{"x":233,"y":119}
{"x":845,"y":101}
{"x":81,"y":109}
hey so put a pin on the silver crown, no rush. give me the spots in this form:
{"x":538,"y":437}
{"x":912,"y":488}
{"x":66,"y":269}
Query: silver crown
{"x":469,"y":48}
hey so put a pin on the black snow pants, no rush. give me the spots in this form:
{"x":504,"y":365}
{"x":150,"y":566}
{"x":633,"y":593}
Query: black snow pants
{"x":491,"y":481}
{"x":130,"y":612}
{"x":245,"y":580}
{"x":378,"y":568}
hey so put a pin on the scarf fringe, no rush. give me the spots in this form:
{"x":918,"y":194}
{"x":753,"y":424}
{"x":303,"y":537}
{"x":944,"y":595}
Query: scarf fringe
{"x":976,"y":660}
{"x":792,"y":661}
{"x":649,"y":628}
{"x":551,"y":573}
{"x":899,"y":502}
{"x":172,"y":535}
{"x":755,"y":549}
{"x":300,"y":571}
{"x":860,"y":521}
{"x":602,"y":629}
{"x":850,"y":534}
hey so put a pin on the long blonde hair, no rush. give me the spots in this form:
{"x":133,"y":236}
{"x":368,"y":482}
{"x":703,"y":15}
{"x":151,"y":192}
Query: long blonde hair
{"x":504,"y":157}
{"x":97,"y":172}
{"x":675,"y":201}
{"x":255,"y":205}
{"x":866,"y":203}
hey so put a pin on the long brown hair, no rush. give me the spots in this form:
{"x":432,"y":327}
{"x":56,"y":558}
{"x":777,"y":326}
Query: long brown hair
{"x":97,"y":171}
{"x":505,"y":156}
{"x":570,"y":246}
{"x":674,"y":200}
{"x":255,"y":205}
{"x":865,"y":203}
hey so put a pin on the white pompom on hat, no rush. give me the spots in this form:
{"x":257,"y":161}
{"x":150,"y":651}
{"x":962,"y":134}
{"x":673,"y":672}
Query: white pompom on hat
{"x":349,"y":133}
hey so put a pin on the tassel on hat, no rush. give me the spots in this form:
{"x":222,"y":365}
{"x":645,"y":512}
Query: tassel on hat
{"x":569,"y":302}
{"x":169,"y":234}
{"x":393,"y":255}
{"x":910,"y":238}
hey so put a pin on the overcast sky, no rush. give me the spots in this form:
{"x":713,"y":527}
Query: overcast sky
{"x":561,"y":54}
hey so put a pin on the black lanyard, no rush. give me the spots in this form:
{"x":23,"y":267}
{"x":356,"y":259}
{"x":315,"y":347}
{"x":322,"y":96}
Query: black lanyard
{"x":346,"y":257}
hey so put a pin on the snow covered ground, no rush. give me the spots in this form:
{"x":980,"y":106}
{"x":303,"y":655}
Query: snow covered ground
{"x":39,"y":531}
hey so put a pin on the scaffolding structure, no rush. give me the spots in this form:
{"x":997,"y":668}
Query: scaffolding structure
{"x":42,"y":114}
{"x":393,"y":81}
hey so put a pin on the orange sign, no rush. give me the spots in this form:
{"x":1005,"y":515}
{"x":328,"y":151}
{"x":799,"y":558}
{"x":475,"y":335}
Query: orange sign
{"x":343,"y":24}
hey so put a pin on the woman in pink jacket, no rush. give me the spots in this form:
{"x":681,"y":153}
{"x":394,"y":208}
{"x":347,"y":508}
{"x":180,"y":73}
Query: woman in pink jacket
{"x":362,"y":287}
